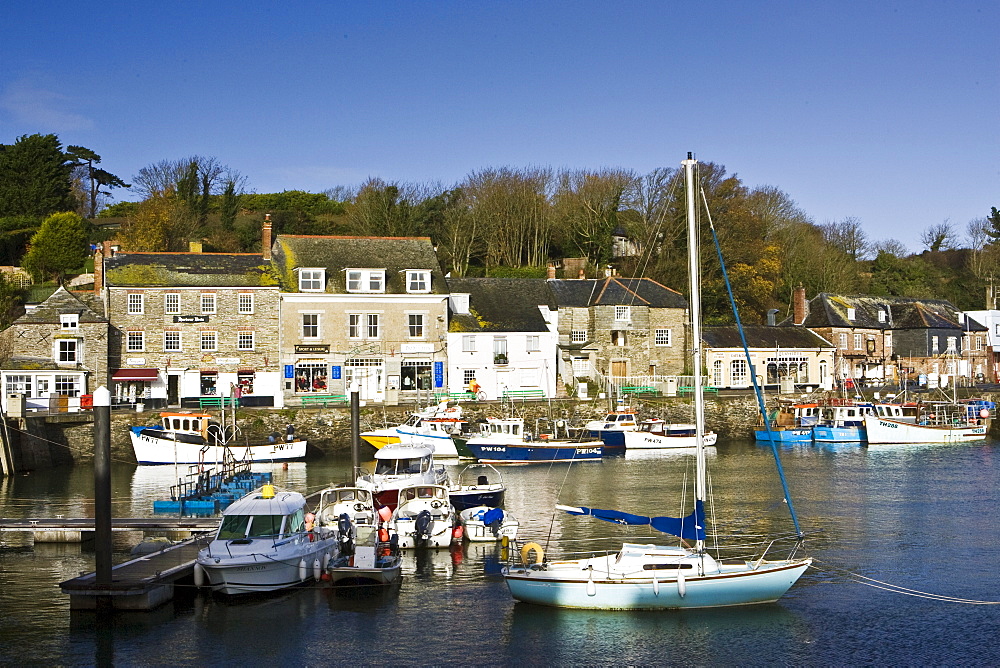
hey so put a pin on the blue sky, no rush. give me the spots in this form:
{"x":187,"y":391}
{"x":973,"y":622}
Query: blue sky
{"x":883,"y":111}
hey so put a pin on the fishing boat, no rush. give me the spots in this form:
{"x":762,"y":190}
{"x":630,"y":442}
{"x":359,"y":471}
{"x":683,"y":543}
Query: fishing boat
{"x":656,"y":434}
{"x":937,"y":422}
{"x":792,"y":422}
{"x":264,"y":544}
{"x":505,"y":441}
{"x":483,"y":524}
{"x":611,"y":430}
{"x":649,"y":576}
{"x":843,"y":421}
{"x":430,"y":428}
{"x":397,"y":466}
{"x":424,"y":517}
{"x":195,"y":438}
{"x":349,"y":511}
{"x":477,"y":485}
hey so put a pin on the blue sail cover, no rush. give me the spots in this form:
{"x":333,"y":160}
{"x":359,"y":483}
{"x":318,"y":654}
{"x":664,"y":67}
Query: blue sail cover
{"x":691,"y":527}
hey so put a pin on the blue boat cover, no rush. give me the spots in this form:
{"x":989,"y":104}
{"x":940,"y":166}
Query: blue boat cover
{"x":691,"y":527}
{"x":492,"y":515}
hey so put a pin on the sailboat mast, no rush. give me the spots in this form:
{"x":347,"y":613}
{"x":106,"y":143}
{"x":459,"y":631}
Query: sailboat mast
{"x":695,"y":309}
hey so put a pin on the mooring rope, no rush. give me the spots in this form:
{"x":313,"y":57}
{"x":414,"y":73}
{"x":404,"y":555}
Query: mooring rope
{"x":897,"y":589}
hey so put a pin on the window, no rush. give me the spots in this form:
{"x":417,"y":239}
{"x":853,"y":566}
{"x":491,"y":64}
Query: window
{"x":208,"y":302}
{"x":209,"y":340}
{"x":372,"y":325}
{"x":70,"y":321}
{"x":881,"y":315}
{"x":66,"y":351}
{"x":416,"y":325}
{"x":246,"y":303}
{"x":842,"y":340}
{"x":623,"y":313}
{"x":418,"y":281}
{"x":717,"y":373}
{"x":171,"y":342}
{"x":500,"y":350}
{"x":887,"y":342}
{"x":310,"y":377}
{"x":468,"y":375}
{"x":209,"y":382}
{"x":850,"y":314}
{"x":468,"y":344}
{"x":415,"y":375}
{"x":354,"y":326}
{"x":858,"y":342}
{"x":19,"y":385}
{"x":934,"y":345}
{"x":532,"y":343}
{"x":135,"y":341}
{"x":661,"y":337}
{"x":68,"y":385}
{"x":619,"y":338}
{"x":952,"y":344}
{"x":310,"y":325}
{"x":979,"y":343}
{"x":42,"y":385}
{"x":578,"y":336}
{"x":171,"y":303}
{"x":245,"y":340}
{"x":311,"y":280}
{"x":135,"y":305}
{"x":581,"y":367}
{"x":361,"y":280}
{"x":738,"y":373}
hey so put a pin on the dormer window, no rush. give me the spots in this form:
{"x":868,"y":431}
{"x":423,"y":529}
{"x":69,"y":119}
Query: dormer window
{"x":418,"y":280}
{"x":850,"y":314}
{"x":312,"y":280}
{"x":69,"y":321}
{"x":366,"y":280}
{"x":881,"y":315}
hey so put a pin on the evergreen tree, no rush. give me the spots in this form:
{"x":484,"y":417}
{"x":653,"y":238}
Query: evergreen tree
{"x":59,"y":247}
{"x":34,"y":177}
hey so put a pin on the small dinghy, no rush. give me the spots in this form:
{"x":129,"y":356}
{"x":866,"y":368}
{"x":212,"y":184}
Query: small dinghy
{"x":484,"y":524}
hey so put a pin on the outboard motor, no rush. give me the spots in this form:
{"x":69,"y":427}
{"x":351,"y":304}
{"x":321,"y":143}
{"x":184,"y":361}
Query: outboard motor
{"x":346,"y":534}
{"x":422,"y":525}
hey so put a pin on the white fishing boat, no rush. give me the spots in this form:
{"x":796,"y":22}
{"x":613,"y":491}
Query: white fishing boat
{"x":486,"y":523}
{"x":264,"y":544}
{"x":431,"y":428}
{"x":195,"y":438}
{"x":349,"y":511}
{"x":659,"y":435}
{"x":937,"y":422}
{"x":424,"y":517}
{"x":641,"y":576}
{"x":398,"y":466}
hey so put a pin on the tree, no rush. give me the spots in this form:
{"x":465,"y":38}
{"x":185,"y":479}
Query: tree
{"x":587,"y":204}
{"x":34,"y":177}
{"x":938,"y":237}
{"x":848,"y":236}
{"x":96,"y":177}
{"x":59,"y":247}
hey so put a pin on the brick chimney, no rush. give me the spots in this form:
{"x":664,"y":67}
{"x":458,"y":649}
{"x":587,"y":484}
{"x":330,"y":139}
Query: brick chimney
{"x":800,"y":307}
{"x":265,"y":237}
{"x":102,"y":252}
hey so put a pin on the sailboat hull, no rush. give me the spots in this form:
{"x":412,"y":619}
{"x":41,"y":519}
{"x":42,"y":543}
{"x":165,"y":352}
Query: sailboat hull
{"x":569,"y":588}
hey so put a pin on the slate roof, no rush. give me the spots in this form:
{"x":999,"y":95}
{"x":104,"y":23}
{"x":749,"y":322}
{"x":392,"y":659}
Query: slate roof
{"x":615,"y":291}
{"x":60,"y":302}
{"x":762,"y":336}
{"x":336,"y":254}
{"x":502,"y":304}
{"x":147,"y":270}
{"x":830,"y":310}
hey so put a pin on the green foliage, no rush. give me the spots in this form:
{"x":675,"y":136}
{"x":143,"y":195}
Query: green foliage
{"x":119,"y":210}
{"x":60,"y":246}
{"x":34,"y":177}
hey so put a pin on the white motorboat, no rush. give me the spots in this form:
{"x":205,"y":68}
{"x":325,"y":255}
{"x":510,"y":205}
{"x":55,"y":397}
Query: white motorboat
{"x":264,"y":544}
{"x":397,"y":466}
{"x":477,"y":485}
{"x":194,"y":438}
{"x":485,"y":523}
{"x":367,"y":565}
{"x":349,"y":511}
{"x":651,"y":576}
{"x":660,"y":435}
{"x":424,"y":517}
{"x":430,"y":428}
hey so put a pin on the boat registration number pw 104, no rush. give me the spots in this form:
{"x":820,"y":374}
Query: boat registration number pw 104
{"x":587,"y":451}
{"x":494,"y":448}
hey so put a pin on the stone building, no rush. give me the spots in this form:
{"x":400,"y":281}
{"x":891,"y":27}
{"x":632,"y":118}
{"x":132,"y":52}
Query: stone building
{"x":367,"y":309}
{"x":191,"y":325}
{"x":619,"y":327}
{"x":58,"y":353}
{"x":785,"y":358}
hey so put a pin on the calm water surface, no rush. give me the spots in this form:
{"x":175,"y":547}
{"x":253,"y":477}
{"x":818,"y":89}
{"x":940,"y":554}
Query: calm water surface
{"x":921,"y":517}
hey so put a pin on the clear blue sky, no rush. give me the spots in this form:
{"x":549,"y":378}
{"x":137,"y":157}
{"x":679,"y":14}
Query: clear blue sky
{"x":884,"y":111}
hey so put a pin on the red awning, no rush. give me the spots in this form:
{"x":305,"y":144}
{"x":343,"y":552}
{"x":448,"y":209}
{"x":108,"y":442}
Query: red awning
{"x":145,"y":375}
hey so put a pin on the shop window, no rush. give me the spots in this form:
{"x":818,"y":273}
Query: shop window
{"x":19,"y":385}
{"x":209,"y":382}
{"x":244,"y":381}
{"x":310,"y":377}
{"x":415,"y":375}
{"x":68,"y":385}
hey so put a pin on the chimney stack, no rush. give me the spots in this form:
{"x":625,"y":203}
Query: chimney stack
{"x":550,"y":272}
{"x":800,"y":308}
{"x":265,"y":237}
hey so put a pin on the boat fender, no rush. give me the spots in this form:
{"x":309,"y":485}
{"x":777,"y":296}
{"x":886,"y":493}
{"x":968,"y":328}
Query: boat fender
{"x":317,"y":569}
{"x":591,"y":587}
{"x":984,"y":413}
{"x":656,"y":585}
{"x":457,"y":533}
{"x":681,"y":584}
{"x":532,"y":547}
{"x":302,"y":570}
{"x":326,"y":560}
{"x":199,"y":575}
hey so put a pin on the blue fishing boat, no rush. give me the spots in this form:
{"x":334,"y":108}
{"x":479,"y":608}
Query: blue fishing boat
{"x":792,"y":422}
{"x":505,"y":441}
{"x":611,"y":430}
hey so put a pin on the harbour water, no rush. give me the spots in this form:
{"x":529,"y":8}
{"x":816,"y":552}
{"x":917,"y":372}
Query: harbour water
{"x":919,"y":517}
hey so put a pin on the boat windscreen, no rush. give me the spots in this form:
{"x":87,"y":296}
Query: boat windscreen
{"x":265,"y":525}
{"x":233,"y":527}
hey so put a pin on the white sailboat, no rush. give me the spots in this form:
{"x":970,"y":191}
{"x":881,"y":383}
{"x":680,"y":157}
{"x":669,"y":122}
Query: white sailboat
{"x":648,"y":576}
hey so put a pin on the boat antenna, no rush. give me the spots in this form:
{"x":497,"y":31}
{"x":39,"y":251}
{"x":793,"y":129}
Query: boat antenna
{"x":753,"y":376}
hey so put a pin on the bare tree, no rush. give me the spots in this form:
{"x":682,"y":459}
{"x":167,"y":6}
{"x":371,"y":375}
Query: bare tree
{"x":892,"y":247}
{"x":848,"y":236}
{"x":939,"y":237}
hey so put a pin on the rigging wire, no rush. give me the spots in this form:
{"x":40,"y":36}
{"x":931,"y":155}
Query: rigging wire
{"x":898,"y":589}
